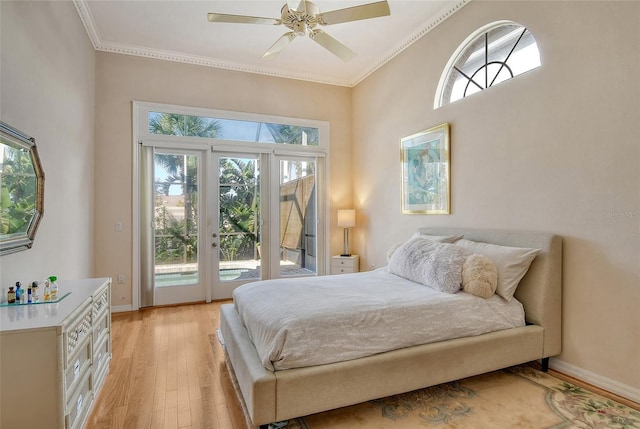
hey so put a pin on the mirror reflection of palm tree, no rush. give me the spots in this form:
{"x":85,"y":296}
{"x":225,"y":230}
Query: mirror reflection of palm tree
{"x":18,"y":188}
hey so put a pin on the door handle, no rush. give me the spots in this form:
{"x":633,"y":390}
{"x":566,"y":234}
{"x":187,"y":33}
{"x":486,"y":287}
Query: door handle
{"x":214,"y":244}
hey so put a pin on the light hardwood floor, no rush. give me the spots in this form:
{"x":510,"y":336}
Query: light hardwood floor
{"x":167,"y":371}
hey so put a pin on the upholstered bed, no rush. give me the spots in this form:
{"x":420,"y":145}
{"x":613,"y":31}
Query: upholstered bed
{"x":271,"y":396}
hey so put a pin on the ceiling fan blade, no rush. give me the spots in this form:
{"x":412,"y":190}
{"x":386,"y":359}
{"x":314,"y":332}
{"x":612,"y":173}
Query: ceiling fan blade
{"x":279,"y":46}
{"x":356,"y":13}
{"x":297,"y":6}
{"x":241,"y":19}
{"x":332,"y":45}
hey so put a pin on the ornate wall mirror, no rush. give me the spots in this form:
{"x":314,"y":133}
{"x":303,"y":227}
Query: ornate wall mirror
{"x":21,"y":190}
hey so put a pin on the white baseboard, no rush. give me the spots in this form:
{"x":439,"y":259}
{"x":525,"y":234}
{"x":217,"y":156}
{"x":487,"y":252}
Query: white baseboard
{"x":121,"y":308}
{"x":605,"y":383}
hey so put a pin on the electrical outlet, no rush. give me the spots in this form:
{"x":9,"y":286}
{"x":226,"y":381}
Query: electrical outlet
{"x":118,"y":226}
{"x":372,"y":267}
{"x":121,"y":279}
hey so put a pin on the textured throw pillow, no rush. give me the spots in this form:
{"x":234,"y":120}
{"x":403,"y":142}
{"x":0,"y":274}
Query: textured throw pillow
{"x":512,"y":263}
{"x":438,"y":238}
{"x":479,"y":276}
{"x":433,"y":264}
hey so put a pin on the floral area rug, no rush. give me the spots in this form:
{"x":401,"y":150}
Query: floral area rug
{"x":518,"y":397}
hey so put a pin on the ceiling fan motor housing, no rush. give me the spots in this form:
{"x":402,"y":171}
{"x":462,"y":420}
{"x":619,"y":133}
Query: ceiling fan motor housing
{"x":300,"y":22}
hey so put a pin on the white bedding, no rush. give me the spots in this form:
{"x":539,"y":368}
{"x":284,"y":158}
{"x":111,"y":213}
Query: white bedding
{"x":301,"y":322}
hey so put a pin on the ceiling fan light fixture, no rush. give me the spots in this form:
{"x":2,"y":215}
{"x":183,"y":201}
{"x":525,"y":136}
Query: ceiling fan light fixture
{"x":300,"y":28}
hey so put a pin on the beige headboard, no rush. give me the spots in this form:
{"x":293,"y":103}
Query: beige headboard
{"x":540,"y":290}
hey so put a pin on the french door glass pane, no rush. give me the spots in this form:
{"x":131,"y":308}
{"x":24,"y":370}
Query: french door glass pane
{"x":297,"y":218}
{"x":239,"y":219}
{"x":176,"y":219}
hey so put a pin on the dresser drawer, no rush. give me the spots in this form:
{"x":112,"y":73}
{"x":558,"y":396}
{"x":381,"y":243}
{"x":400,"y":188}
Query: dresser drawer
{"x":79,"y":403}
{"x":75,"y":333}
{"x":77,"y":366}
{"x":100,"y":328}
{"x":101,"y":354}
{"x":101,"y":303}
{"x":101,"y":358}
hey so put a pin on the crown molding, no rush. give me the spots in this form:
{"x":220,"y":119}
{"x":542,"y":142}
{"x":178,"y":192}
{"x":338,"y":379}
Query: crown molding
{"x":99,"y":45}
{"x":212,"y":62}
{"x":442,"y":15}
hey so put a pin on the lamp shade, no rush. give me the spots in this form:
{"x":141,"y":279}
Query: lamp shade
{"x":347,"y":218}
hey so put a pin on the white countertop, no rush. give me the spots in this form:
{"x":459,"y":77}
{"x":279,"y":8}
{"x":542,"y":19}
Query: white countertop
{"x":47,"y":315}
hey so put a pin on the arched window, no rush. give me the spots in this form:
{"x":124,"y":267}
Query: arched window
{"x":491,"y":55}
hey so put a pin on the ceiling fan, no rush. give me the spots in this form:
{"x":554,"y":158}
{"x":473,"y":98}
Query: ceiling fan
{"x":302,"y":17}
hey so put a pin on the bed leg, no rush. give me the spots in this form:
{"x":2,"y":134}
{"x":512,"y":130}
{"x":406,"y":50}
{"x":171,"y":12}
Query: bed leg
{"x":545,"y":364}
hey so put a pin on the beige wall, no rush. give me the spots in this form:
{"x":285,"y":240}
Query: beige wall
{"x":47,"y":91}
{"x":121,"y":79}
{"x":554,"y":150}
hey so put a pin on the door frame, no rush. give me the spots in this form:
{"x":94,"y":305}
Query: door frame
{"x":140,"y":135}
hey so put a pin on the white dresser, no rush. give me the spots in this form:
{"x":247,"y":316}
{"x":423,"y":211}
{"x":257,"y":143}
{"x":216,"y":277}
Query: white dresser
{"x":345,"y":264}
{"x":55,"y":356}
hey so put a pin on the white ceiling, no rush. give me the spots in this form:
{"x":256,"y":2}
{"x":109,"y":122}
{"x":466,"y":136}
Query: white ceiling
{"x":178,"y":30}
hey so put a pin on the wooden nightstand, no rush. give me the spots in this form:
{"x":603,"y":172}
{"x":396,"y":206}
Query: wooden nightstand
{"x":345,"y":264}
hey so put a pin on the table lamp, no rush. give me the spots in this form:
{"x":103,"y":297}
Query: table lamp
{"x":346,"y":219}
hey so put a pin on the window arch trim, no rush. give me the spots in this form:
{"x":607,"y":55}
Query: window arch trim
{"x":462,"y":48}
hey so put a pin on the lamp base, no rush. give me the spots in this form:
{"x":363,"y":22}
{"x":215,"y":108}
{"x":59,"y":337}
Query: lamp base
{"x":345,"y":250}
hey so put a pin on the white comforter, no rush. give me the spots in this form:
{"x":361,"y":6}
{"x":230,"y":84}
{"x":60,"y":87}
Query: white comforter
{"x":310,"y":321}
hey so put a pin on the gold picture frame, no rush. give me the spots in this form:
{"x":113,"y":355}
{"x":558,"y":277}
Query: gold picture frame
{"x":426,"y":172}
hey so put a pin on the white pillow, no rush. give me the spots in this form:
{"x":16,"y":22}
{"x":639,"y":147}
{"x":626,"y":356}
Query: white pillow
{"x":433,"y":264}
{"x":438,"y":238}
{"x":512,"y":263}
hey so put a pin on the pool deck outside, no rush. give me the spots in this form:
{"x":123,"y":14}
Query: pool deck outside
{"x":237,"y":271}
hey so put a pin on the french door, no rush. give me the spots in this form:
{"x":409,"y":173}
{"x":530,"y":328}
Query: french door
{"x":237,"y":211}
{"x":265,"y":219}
{"x":176,"y":218}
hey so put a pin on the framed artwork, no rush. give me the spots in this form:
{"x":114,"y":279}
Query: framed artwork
{"x":426,"y":172}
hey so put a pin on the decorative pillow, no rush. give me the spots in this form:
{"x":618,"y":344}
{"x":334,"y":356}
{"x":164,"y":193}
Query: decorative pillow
{"x":512,"y":263}
{"x":438,"y":238}
{"x":479,"y":276}
{"x":433,"y":264}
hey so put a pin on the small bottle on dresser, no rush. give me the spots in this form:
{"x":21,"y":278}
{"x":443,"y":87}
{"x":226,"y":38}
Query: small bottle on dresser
{"x":54,"y":288}
{"x":47,"y":291}
{"x":34,"y":292}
